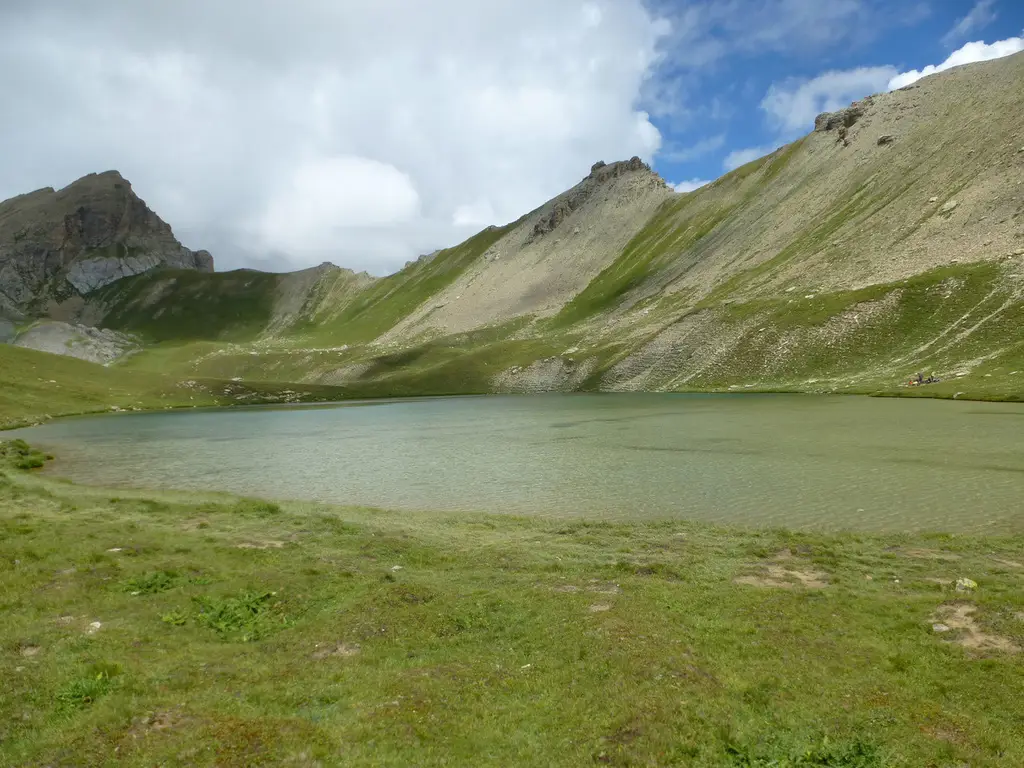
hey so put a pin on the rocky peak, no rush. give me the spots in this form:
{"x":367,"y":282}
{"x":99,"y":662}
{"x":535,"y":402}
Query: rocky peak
{"x":601,"y":174}
{"x":56,"y":245}
{"x":602,"y":171}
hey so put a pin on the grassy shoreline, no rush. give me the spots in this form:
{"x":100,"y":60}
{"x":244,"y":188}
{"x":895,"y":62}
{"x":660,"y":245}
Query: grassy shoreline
{"x":146,"y":627}
{"x":270,"y":401}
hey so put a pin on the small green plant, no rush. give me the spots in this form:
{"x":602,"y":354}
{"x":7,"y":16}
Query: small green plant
{"x":20,"y":455}
{"x":175,"y":618}
{"x":244,"y":618}
{"x":256,"y":508}
{"x":151,"y":583}
{"x":85,"y":690}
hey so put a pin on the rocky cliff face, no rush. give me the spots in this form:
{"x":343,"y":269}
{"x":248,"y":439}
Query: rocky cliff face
{"x":57,"y":246}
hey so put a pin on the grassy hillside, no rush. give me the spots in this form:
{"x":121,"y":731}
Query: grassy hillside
{"x":382,"y":305}
{"x":184,"y":305}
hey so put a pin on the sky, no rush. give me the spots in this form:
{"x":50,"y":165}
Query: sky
{"x":367,"y":132}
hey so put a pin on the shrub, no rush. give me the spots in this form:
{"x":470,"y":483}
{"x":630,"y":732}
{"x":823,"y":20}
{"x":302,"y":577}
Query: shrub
{"x":246,"y":617}
{"x":20,"y":455}
{"x":83,"y":691}
{"x":256,"y":508}
{"x":151,"y":583}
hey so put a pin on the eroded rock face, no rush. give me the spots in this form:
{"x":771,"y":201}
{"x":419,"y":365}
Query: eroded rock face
{"x":600,"y":173}
{"x":92,"y":344}
{"x":844,"y":118}
{"x":56,"y":245}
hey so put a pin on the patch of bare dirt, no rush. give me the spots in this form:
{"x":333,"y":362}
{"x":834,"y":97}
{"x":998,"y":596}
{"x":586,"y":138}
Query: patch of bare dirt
{"x":595,"y":587}
{"x":335,"y":650}
{"x":603,"y":588}
{"x":776,"y":576}
{"x":1007,"y":563}
{"x":261,"y":545}
{"x":958,"y":619}
{"x":28,"y":651}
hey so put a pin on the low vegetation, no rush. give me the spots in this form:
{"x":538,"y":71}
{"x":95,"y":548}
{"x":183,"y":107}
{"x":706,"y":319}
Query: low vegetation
{"x":36,"y":386}
{"x":145,"y":628}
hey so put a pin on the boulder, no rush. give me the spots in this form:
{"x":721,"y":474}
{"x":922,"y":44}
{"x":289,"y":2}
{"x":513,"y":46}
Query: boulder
{"x":844,"y":118}
{"x":963,"y":584}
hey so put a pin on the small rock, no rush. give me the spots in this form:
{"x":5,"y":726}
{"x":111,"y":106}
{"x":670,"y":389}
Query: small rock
{"x":869,"y":577}
{"x":940,"y":628}
{"x":933,"y":199}
{"x":887,"y":139}
{"x":949,"y":207}
{"x":116,"y":549}
{"x":29,"y":651}
{"x":396,"y":567}
{"x":94,"y":627}
{"x":966,"y":585}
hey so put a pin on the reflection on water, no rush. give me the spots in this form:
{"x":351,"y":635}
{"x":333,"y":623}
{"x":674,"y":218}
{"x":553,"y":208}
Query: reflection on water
{"x":795,"y":461}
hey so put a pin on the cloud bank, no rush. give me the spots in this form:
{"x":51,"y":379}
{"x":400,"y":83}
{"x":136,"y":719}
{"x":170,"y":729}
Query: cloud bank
{"x":968,"y":54}
{"x":362,"y":133}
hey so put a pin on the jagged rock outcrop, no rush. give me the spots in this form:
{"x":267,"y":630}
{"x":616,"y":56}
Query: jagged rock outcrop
{"x":56,"y":246}
{"x":600,"y":173}
{"x":843,"y":118}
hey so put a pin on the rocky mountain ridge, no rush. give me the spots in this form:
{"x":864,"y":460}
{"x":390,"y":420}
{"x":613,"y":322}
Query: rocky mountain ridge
{"x":57,"y":246}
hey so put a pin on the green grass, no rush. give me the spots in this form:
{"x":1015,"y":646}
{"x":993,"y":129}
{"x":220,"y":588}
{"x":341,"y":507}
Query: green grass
{"x":184,"y":305}
{"x":343,"y":636}
{"x":938,"y":321}
{"x":36,"y":386}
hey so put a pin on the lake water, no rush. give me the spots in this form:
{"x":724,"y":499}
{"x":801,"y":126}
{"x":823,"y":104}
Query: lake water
{"x":769,"y":460}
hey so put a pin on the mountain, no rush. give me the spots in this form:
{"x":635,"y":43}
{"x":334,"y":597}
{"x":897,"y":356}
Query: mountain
{"x":58,"y":246}
{"x":888,"y":241}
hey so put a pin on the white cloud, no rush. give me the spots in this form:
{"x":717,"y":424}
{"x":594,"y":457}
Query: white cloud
{"x":979,"y":17}
{"x":327,"y":196}
{"x":363,"y":133}
{"x":692,"y":184}
{"x":739,"y":157}
{"x":792,"y":106}
{"x":968,"y":54}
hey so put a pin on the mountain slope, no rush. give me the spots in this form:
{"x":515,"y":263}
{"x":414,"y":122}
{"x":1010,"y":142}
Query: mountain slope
{"x":888,"y":241}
